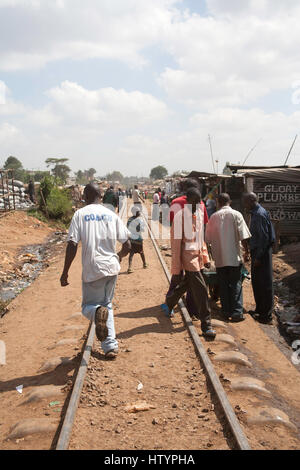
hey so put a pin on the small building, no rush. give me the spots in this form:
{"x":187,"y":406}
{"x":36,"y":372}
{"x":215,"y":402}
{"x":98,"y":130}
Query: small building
{"x":277,"y":188}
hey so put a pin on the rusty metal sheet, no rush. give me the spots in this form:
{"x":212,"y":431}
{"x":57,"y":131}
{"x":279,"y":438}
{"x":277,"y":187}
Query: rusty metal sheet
{"x":282,"y":201}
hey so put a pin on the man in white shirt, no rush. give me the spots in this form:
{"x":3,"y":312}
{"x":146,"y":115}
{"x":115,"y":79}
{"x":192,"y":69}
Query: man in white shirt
{"x":155,"y":206}
{"x":98,"y":229}
{"x":225,"y":232}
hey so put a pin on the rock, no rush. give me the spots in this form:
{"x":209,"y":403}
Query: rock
{"x":234,"y":357}
{"x":249,"y":384}
{"x":29,"y":427}
{"x":266,"y":415}
{"x":51,"y":364}
{"x":64,"y":342}
{"x":40,"y":393}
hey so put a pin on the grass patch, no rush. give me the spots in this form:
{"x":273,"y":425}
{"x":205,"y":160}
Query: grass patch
{"x":60,"y":225}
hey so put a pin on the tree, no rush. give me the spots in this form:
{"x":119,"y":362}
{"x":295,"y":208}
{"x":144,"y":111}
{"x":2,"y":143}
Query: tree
{"x":80,"y":177}
{"x":158,"y":173}
{"x":115,"y":176}
{"x":83,"y":177}
{"x":12,"y":163}
{"x":91,"y":173}
{"x":60,"y":170}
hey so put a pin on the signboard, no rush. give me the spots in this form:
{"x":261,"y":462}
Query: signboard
{"x":282,"y":200}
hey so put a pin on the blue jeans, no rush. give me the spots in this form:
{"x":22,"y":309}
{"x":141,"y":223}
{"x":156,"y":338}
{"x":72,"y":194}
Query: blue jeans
{"x":96,"y":294}
{"x":231,"y":291}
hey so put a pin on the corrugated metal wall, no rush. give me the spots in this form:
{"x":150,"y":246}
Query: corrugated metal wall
{"x":282,"y":200}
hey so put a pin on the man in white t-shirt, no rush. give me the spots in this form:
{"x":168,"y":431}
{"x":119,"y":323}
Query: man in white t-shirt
{"x":98,"y":229}
{"x":226,"y":231}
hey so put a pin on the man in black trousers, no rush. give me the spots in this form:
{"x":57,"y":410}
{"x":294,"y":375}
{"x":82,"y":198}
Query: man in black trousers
{"x":261,"y":242}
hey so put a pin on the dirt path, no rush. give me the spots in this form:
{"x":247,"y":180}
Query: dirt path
{"x":158,"y":353}
{"x":35,"y":323}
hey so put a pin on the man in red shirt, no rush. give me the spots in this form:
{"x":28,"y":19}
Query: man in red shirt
{"x":177,"y":205}
{"x":180,"y":202}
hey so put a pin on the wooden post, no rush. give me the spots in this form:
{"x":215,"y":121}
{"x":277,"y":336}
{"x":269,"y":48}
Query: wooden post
{"x":44,"y":203}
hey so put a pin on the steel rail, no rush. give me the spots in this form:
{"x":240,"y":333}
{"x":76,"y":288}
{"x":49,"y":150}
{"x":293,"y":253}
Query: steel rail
{"x":236,"y":429}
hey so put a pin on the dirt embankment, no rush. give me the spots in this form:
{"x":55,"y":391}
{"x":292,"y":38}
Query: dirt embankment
{"x":17,"y":230}
{"x":26,"y":246}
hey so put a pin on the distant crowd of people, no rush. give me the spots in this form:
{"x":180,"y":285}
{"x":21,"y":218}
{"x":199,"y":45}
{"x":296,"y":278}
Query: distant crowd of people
{"x":199,"y":235}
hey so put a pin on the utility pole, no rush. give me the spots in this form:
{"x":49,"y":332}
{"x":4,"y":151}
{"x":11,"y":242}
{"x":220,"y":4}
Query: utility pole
{"x":211,"y":152}
{"x":288,"y":156}
{"x":248,"y":155}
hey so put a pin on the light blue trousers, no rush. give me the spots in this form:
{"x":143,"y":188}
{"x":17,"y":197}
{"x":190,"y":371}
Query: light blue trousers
{"x":96,"y":294}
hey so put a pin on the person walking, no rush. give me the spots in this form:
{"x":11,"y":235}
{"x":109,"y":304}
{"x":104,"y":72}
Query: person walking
{"x":136,"y":227}
{"x":187,"y":246}
{"x":211,"y":205}
{"x":176,"y":206}
{"x":155,"y":206}
{"x":110,"y":199}
{"x":31,"y":191}
{"x":98,"y":229}
{"x":136,"y":197}
{"x":261,"y":242}
{"x":225,"y":232}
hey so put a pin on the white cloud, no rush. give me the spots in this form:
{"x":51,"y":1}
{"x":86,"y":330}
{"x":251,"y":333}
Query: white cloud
{"x":222,"y":62}
{"x":234,"y":59}
{"x":46,"y":30}
{"x":3,"y":92}
{"x":80,"y":124}
{"x":262,"y":8}
{"x":106,"y":107}
{"x":8,"y":133}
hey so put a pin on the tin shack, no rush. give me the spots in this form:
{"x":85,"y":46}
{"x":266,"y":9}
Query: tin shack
{"x":277,"y":188}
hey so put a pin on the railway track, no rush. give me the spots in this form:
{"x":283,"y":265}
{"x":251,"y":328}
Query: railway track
{"x":239,"y":437}
{"x":197,"y":405}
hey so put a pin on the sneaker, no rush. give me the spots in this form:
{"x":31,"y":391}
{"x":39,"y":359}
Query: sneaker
{"x":209,"y":333}
{"x":146,"y":266}
{"x":169,"y":313}
{"x":101,"y":317}
{"x":112,"y":354}
{"x":130,"y":271}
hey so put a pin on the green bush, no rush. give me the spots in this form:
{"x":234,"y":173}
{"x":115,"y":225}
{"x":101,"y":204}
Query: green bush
{"x":47,"y":184}
{"x":59,"y":205}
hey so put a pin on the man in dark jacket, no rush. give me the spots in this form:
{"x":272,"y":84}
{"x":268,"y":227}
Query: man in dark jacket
{"x":110,"y":199}
{"x":261,"y":242}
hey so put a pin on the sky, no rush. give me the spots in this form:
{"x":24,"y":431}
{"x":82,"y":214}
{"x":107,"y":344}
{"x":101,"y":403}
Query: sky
{"x":129,"y":85}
